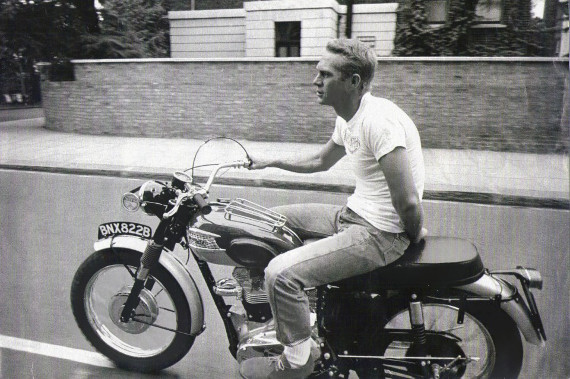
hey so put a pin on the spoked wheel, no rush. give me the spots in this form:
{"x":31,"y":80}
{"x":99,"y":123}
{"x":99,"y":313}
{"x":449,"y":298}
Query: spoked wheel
{"x":156,"y":338}
{"x":487,"y":344}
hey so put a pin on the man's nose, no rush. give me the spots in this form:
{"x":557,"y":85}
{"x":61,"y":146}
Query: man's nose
{"x":317,"y":81}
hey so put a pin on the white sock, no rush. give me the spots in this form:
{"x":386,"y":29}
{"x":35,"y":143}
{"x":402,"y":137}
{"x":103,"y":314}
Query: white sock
{"x":299,"y":354}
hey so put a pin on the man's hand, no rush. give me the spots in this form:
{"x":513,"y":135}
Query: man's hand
{"x":423,"y":234}
{"x":258,"y":163}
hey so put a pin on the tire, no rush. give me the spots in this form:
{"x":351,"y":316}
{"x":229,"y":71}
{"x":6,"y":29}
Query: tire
{"x":98,"y":291}
{"x":487,"y":333}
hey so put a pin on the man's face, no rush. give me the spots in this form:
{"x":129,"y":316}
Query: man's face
{"x":332,"y":89}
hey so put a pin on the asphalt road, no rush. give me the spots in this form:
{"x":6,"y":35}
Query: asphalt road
{"x":48,"y":223}
{"x":47,"y":228}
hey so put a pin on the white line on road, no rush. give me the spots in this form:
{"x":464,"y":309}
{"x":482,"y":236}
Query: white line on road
{"x":55,"y":351}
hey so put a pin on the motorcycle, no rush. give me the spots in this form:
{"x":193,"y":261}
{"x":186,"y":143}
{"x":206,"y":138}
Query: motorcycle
{"x":437,"y":312}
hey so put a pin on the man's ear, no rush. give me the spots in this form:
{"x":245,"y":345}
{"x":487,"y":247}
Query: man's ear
{"x":356,"y":80}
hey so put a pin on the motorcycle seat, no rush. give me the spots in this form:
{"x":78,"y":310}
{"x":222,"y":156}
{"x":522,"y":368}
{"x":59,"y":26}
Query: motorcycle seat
{"x":434,"y":262}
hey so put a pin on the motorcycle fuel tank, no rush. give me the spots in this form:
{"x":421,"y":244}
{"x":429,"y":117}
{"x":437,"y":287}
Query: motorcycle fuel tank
{"x":240,"y":233}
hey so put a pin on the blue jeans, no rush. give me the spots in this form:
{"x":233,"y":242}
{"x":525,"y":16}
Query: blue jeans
{"x":349,"y":246}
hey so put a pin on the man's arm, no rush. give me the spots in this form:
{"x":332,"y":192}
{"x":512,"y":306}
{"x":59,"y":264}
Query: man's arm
{"x":315,"y":162}
{"x":405,"y":198}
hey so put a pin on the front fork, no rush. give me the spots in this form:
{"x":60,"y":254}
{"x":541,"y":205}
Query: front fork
{"x":149,"y":260}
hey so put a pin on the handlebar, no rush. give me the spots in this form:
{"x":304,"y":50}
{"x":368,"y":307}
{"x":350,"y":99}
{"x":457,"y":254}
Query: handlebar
{"x":235,"y":164}
{"x":204,"y":207}
{"x":199,"y":196}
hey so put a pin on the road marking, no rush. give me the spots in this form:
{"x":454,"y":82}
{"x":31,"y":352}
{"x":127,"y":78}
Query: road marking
{"x":55,"y":351}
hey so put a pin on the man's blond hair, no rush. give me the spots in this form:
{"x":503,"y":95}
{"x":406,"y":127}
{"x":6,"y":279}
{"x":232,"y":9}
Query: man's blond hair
{"x":360,"y":59}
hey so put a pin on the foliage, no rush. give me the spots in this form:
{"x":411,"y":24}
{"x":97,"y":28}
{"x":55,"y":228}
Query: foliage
{"x":31,"y":32}
{"x":40,"y":30}
{"x":56,"y":31}
{"x":45,"y":29}
{"x":130,"y":29}
{"x":415,"y":36}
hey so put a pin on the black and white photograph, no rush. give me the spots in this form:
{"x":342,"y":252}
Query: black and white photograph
{"x":284,"y":189}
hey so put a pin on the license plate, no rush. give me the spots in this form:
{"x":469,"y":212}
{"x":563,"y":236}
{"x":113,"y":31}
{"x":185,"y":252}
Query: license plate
{"x":109,"y":229}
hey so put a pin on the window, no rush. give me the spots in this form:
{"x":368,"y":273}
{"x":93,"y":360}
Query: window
{"x":288,"y":39}
{"x":489,"y":11}
{"x":436,"y":11}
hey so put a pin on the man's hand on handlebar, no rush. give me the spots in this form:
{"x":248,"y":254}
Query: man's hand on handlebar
{"x":258,"y":163}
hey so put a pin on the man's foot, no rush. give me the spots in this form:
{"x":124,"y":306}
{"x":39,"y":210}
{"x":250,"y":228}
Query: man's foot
{"x":274,"y":368}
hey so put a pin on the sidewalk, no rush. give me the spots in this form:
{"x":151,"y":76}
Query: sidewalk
{"x":25,"y":144}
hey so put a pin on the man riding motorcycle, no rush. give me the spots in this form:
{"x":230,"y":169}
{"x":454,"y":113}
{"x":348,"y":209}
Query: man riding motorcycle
{"x":374,"y":228}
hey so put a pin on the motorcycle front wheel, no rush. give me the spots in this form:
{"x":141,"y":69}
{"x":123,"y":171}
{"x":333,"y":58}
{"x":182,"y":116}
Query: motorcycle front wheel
{"x":487,"y":335}
{"x":156,"y":338}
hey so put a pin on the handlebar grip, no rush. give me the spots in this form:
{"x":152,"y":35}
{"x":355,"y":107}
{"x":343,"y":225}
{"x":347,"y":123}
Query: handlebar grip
{"x":204,"y":207}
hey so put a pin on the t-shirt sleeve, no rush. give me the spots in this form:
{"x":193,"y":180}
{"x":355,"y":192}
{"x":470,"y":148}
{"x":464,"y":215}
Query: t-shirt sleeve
{"x":336,"y":136}
{"x":383,"y":134}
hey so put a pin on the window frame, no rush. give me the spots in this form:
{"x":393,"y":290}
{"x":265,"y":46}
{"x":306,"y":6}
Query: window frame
{"x":446,"y":13}
{"x":491,"y":22}
{"x":287,"y":42}
{"x":476,"y":23}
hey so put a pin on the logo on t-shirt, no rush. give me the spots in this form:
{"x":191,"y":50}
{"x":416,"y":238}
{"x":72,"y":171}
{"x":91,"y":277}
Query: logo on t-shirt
{"x":352,"y":143}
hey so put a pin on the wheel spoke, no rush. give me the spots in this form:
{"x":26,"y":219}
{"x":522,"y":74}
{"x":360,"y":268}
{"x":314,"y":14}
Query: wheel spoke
{"x":469,"y":339}
{"x":106,"y":294}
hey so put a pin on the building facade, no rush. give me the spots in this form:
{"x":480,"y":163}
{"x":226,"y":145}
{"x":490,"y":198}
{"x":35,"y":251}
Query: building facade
{"x":293,"y":28}
{"x":285,"y":28}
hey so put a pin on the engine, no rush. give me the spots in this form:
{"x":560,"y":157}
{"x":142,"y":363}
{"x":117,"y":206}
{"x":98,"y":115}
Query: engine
{"x":246,"y":285}
{"x":252,"y":317}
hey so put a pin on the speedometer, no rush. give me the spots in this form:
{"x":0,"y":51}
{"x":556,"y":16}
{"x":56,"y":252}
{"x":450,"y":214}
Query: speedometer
{"x":180,"y":179}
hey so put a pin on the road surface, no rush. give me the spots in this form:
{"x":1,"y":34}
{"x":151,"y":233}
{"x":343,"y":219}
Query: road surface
{"x":48,"y":224}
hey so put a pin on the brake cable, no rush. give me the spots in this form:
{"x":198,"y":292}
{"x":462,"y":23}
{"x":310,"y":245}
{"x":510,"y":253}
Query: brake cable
{"x":204,"y":143}
{"x":162,"y":327}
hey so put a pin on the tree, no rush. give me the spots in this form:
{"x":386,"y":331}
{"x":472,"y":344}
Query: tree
{"x":416,"y":37}
{"x":130,"y":28}
{"x":34,"y":31}
{"x":60,"y":30}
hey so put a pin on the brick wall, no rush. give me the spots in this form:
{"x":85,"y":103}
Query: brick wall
{"x":502,"y":105}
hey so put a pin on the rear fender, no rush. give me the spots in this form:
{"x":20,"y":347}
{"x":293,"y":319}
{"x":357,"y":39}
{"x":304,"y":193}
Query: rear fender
{"x":510,"y":301}
{"x":173,"y":266}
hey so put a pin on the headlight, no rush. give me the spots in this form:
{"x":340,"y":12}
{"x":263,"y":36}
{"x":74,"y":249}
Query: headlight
{"x":153,"y":198}
{"x":131,"y":202}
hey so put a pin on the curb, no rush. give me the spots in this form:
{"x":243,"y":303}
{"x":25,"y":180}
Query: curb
{"x":447,"y":196}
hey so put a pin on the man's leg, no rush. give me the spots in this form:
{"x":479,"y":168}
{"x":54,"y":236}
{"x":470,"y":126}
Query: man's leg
{"x":355,"y":250}
{"x":311,"y":220}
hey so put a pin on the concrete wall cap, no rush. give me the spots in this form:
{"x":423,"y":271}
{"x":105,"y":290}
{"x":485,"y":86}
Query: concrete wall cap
{"x":374,"y":8}
{"x":313,"y":59}
{"x":252,"y":6}
{"x":209,"y":13}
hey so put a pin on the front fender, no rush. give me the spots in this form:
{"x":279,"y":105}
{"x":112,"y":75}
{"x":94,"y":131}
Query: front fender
{"x":511,"y":302}
{"x":173,"y":266}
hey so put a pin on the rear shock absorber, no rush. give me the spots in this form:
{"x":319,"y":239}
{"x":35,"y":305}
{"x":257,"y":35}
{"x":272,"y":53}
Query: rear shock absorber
{"x":418,"y":326}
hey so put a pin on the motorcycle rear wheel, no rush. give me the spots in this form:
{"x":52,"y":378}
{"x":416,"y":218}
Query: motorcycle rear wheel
{"x":98,"y":291}
{"x":487,"y":333}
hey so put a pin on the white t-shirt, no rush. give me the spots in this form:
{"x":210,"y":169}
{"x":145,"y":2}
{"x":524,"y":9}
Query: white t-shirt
{"x":377,"y":128}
